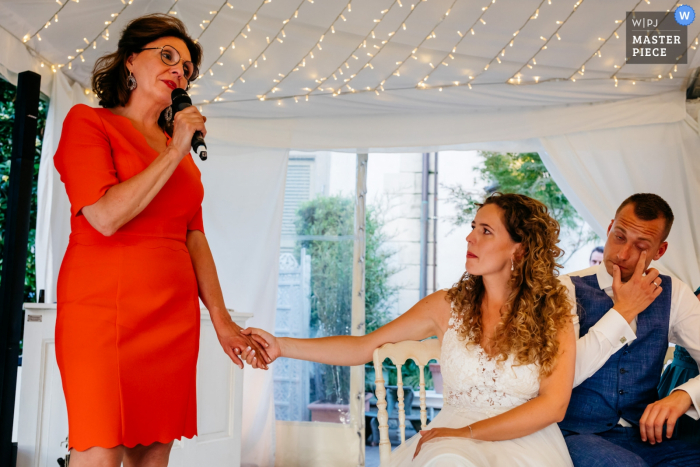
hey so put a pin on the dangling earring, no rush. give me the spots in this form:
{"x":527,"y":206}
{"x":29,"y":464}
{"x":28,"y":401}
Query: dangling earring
{"x":512,"y":267}
{"x":169,"y":114}
{"x":131,"y":82}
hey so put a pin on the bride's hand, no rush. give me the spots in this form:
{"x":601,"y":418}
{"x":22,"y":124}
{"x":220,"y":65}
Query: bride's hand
{"x":429,"y":435}
{"x":266,"y":340}
{"x":239,"y":346}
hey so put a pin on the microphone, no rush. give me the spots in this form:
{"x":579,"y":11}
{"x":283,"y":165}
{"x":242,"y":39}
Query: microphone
{"x":181,"y":100}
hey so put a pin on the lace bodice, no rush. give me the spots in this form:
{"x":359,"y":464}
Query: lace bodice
{"x":474,"y":382}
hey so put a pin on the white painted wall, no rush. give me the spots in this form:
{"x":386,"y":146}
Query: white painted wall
{"x":455,"y":167}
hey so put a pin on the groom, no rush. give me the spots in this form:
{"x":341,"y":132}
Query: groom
{"x":627,"y":315}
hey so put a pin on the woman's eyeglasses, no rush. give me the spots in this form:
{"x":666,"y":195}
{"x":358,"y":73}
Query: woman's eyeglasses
{"x":171,"y":57}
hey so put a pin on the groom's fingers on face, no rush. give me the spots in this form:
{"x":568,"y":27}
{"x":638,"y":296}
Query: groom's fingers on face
{"x":641,"y":264}
{"x":617,"y":278}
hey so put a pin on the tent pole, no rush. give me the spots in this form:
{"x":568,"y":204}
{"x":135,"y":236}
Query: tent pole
{"x":435,"y":220}
{"x":357,"y":373}
{"x":423,"y":283}
{"x":14,"y":264}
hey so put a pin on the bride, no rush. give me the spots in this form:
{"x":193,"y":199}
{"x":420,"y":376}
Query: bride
{"x":508,"y":346}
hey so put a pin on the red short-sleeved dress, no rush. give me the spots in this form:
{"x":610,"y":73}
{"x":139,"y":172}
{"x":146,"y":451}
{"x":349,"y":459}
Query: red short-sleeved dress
{"x":127,"y":332}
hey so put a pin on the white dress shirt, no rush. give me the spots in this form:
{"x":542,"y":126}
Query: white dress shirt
{"x":612,"y":331}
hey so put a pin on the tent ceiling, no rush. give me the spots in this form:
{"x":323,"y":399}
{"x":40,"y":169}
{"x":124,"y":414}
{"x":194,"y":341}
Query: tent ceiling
{"x":291,"y":43}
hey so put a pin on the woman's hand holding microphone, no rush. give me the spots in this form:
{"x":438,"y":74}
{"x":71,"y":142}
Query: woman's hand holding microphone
{"x":185,"y":123}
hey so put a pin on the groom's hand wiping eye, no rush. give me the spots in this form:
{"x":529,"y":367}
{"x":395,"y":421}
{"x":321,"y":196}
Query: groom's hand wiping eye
{"x":635,"y":295}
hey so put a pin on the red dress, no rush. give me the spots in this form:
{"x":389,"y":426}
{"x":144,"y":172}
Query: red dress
{"x":127,"y":330}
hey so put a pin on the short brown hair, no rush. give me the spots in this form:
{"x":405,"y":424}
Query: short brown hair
{"x":110,"y":73}
{"x":649,"y":207}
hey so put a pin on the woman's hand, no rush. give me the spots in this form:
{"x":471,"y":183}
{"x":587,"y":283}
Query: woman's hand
{"x":185,"y":123}
{"x":266,"y":339}
{"x":242,"y":347}
{"x":429,"y":435}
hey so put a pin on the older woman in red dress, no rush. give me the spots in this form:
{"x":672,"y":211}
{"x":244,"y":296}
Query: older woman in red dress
{"x":127,"y":335}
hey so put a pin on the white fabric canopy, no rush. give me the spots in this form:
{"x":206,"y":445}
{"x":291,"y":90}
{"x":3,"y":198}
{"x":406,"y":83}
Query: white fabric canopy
{"x":597,"y":170}
{"x":53,"y":205}
{"x":272,"y":38}
{"x":601,"y":139}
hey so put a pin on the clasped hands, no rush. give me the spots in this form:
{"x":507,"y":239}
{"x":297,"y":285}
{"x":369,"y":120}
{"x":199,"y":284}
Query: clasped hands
{"x":253,"y":346}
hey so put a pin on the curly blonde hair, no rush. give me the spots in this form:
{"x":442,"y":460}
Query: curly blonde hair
{"x":538,"y":305}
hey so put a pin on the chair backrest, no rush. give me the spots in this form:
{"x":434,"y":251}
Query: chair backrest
{"x":421,"y":352}
{"x":669,"y":357}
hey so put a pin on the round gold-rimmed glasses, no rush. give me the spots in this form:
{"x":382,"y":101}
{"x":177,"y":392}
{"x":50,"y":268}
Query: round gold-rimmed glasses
{"x":171,"y":57}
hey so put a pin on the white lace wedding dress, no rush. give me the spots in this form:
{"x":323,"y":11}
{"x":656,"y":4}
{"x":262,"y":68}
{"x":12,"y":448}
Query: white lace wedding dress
{"x":476,"y":388}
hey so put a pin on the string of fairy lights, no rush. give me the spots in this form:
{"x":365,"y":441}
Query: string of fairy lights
{"x":422,"y":83}
{"x":253,"y":62}
{"x":342,"y":71}
{"x":362,"y":44}
{"x":511,"y":42}
{"x":310,"y":54}
{"x":53,"y":17}
{"x":104,"y":34}
{"x":693,"y":45}
{"x":207,"y":22}
{"x":432,"y":35}
{"x":171,"y":10}
{"x":391,"y":35}
{"x":232,"y":45}
{"x":582,"y":69}
{"x":462,"y":35}
{"x":532,"y":62}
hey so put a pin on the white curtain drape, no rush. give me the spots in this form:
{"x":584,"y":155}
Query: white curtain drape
{"x":597,"y":170}
{"x":242,"y":209}
{"x":53,"y":207}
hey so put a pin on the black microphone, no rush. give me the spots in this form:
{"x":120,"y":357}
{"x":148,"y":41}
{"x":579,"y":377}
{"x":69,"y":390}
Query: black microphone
{"x":181,"y":100}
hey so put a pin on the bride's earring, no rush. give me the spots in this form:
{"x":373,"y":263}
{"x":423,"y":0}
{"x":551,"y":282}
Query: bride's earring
{"x":169,"y":114}
{"x":512,"y":267}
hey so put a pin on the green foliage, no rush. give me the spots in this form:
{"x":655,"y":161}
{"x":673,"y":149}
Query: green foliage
{"x":331,"y":279}
{"x":331,"y":261}
{"x":7,"y":120}
{"x":522,"y":173}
